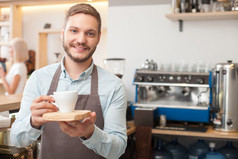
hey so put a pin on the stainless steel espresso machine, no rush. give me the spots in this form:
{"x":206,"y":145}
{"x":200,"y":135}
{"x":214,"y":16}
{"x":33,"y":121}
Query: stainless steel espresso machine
{"x":181,"y":96}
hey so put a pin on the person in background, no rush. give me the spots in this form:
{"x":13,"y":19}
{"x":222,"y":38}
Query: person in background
{"x":3,"y":63}
{"x":104,"y":133}
{"x":14,"y":81}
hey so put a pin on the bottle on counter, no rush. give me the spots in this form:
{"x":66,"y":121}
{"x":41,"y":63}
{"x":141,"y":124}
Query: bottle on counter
{"x":197,"y":149}
{"x":220,"y":6}
{"x":229,"y":151}
{"x":212,"y":153}
{"x":213,"y":5}
{"x":235,"y":5}
{"x":199,"y":5}
{"x":194,"y":6}
{"x":188,"y":6}
{"x":206,"y":6}
{"x":182,"y":6}
{"x":159,"y":152}
{"x":178,"y":151}
{"x":174,"y":6}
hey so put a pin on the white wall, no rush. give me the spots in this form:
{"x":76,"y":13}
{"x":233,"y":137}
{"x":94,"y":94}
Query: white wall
{"x":34,"y":19}
{"x":140,"y":32}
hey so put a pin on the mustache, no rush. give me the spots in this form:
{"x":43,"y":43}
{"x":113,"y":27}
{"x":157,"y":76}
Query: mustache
{"x":78,"y":44}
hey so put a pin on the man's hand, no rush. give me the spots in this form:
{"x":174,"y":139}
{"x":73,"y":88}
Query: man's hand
{"x":83,"y":128}
{"x":39,"y":106}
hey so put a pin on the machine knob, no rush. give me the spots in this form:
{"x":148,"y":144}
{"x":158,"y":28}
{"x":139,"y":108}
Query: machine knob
{"x":140,"y":79}
{"x":229,"y":122}
{"x":171,"y":78}
{"x":150,"y":79}
{"x":179,"y":78}
{"x":161,"y":78}
{"x":188,"y":78}
{"x":200,"y":81}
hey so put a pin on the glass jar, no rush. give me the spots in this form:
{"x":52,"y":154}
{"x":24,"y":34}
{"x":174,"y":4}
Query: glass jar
{"x":219,"y":7}
{"x":206,"y":6}
{"x":235,"y":5}
{"x":228,"y":5}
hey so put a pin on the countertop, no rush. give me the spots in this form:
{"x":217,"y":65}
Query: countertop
{"x":10,"y":102}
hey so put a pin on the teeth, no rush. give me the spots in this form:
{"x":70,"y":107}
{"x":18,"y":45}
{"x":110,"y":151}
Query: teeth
{"x":80,"y":48}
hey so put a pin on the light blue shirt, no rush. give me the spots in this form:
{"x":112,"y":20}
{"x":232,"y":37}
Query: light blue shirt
{"x":109,"y":142}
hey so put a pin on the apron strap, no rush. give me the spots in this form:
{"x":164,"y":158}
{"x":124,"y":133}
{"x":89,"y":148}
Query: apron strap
{"x":94,"y":81}
{"x":54,"y":82}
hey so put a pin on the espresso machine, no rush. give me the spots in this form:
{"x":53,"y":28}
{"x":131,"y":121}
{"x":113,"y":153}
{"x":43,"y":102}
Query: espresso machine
{"x":180,"y":96}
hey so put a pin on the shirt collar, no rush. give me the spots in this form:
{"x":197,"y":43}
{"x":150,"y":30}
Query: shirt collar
{"x":83,"y":75}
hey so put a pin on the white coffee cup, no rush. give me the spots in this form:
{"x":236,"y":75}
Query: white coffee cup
{"x":66,"y":100}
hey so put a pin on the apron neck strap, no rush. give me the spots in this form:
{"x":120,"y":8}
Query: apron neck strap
{"x":94,"y":81}
{"x":54,"y":82}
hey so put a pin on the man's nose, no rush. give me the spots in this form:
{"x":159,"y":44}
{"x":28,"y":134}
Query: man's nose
{"x":81,"y":38}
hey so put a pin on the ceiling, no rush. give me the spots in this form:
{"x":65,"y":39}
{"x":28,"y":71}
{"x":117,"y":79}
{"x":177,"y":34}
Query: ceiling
{"x":42,"y":2}
{"x":137,"y":2}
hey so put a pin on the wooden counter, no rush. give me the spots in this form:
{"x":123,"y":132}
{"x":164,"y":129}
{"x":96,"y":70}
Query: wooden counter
{"x":210,"y":133}
{"x":10,"y":102}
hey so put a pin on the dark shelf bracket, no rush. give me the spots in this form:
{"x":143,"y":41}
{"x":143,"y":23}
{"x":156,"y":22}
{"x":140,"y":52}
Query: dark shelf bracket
{"x":181,"y":25}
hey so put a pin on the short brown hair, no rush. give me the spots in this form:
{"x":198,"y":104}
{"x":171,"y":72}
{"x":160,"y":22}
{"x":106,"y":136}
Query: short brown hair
{"x":86,"y":9}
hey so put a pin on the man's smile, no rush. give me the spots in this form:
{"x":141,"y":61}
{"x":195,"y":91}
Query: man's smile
{"x":80,"y":48}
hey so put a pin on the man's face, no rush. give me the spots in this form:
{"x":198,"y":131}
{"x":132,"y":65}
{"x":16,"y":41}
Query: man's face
{"x":80,"y":37}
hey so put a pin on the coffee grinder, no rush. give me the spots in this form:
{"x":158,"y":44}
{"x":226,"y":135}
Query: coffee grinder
{"x":115,"y":65}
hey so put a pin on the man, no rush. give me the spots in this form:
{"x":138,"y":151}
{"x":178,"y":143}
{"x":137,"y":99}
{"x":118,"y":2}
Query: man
{"x":103,"y":135}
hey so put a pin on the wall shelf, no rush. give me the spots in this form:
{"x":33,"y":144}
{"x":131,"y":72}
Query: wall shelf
{"x":2,"y":24}
{"x":4,"y":44}
{"x":180,"y":17}
{"x":50,"y":31}
{"x":14,"y":24}
{"x":203,"y":16}
{"x":41,"y":57}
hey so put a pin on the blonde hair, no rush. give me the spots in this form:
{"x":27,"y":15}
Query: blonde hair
{"x":20,"y":50}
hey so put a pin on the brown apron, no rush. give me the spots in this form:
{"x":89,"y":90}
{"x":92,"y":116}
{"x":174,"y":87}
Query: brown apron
{"x":57,"y":144}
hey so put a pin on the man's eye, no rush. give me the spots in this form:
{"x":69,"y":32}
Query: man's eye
{"x":91,"y":34}
{"x":74,"y":31}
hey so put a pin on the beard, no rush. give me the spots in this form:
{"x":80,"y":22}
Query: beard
{"x":78,"y":60}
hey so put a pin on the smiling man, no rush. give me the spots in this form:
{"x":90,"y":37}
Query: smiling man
{"x":103,"y":134}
